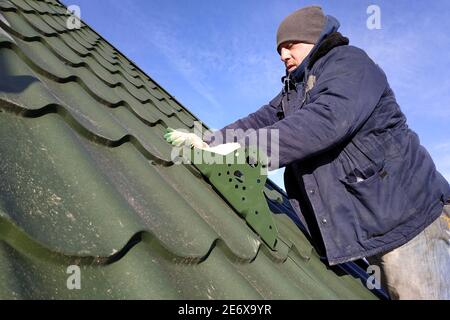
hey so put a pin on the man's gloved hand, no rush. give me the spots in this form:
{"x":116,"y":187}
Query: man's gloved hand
{"x":179,"y":138}
{"x":224,"y":149}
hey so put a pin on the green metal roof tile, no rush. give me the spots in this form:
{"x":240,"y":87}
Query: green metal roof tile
{"x":165,"y":107}
{"x":136,"y":81}
{"x":22,"y":4}
{"x":178,"y":107}
{"x":127,"y":65}
{"x":147,"y":271}
{"x":113,"y":67}
{"x":55,"y":24}
{"x":32,"y":6}
{"x":38,"y":24}
{"x":53,"y":67}
{"x":6,"y":5}
{"x":185,"y":117}
{"x":18,"y":85}
{"x":49,"y":63}
{"x":77,"y":211}
{"x":63,"y":50}
{"x":150,"y":271}
{"x":105,"y":71}
{"x":164,"y":95}
{"x":40,"y":57}
{"x":44,"y":7}
{"x":110,"y":124}
{"x":18,"y":25}
{"x":87,"y":180}
{"x":52,"y":2}
{"x":76,"y":46}
{"x":54,"y":5}
{"x":149,"y":82}
{"x":90,"y":43}
{"x":154,"y":194}
{"x":62,"y":21}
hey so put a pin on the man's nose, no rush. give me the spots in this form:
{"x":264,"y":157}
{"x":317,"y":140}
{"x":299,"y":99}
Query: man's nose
{"x":284,"y":54}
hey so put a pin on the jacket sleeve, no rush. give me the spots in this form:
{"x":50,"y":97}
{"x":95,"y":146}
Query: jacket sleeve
{"x":263,"y":117}
{"x":346,"y":93}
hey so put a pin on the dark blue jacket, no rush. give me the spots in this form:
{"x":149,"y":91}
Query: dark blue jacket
{"x":357,"y":176}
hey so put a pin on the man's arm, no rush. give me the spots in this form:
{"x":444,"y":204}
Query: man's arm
{"x":263,"y":117}
{"x":346,"y":93}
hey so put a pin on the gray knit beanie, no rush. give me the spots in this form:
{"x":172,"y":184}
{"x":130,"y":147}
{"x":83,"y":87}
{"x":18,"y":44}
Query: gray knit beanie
{"x":303,"y":25}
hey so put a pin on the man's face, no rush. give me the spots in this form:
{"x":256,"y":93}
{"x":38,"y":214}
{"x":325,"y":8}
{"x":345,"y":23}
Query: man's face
{"x":293,"y":53}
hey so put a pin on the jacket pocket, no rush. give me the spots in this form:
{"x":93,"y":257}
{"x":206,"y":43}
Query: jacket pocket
{"x":380,"y":203}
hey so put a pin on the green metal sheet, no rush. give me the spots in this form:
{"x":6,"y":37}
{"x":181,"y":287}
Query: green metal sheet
{"x":240,"y":178}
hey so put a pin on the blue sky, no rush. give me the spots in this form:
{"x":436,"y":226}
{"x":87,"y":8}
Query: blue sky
{"x":218,"y":58}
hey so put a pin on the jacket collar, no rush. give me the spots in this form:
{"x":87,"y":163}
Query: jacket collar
{"x":332,"y":41}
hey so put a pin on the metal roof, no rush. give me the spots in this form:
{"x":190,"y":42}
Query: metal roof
{"x":86,"y":179}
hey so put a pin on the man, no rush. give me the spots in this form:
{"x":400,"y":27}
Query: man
{"x":355,"y":174}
